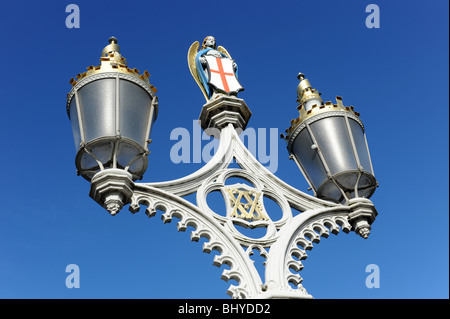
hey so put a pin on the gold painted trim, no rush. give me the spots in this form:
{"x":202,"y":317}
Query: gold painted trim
{"x":251,"y":210}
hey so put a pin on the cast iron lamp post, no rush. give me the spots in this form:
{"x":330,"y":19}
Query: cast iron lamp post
{"x":112,"y":108}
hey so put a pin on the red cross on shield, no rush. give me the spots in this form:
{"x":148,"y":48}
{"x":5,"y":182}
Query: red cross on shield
{"x":222,"y":76}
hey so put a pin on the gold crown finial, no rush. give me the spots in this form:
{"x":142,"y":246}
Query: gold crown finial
{"x":112,"y":61}
{"x":305,"y":92}
{"x":310,"y":104}
{"x":112,"y":49}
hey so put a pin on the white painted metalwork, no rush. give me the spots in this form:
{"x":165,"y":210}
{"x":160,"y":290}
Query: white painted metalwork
{"x":286,"y":239}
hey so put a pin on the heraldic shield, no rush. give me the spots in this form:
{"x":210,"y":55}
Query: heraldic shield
{"x":222,"y":76}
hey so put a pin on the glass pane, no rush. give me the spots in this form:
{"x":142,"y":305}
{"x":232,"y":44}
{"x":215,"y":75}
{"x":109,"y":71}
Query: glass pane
{"x":134,"y":111}
{"x":330,"y":191}
{"x":364,"y":181}
{"x":367,"y":192}
{"x":75,"y":124}
{"x":348,"y":180}
{"x":334,"y":141}
{"x":138,"y":166}
{"x":309,"y":158}
{"x":97,"y":101}
{"x":125,"y":154}
{"x":103,"y":151}
{"x":87,"y":162}
{"x":360,"y":143}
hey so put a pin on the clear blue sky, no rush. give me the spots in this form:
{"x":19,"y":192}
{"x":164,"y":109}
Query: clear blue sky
{"x":395,"y":76}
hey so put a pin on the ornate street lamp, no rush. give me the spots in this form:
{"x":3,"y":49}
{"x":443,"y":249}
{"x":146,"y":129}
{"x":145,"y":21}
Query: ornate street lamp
{"x":328,"y":143}
{"x":112,"y":109}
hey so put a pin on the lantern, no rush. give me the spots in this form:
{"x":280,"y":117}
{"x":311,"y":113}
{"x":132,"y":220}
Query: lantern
{"x":112,"y":109}
{"x":328,"y":143}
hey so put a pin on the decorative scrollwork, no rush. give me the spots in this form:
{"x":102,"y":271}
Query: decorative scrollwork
{"x":188,"y":214}
{"x":290,"y":249}
{"x":287,"y":239}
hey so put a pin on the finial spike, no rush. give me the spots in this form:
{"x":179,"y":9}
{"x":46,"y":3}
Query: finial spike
{"x":112,"y":48}
{"x":307,"y":97}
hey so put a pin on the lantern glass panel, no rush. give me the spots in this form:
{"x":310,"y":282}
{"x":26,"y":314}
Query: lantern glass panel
{"x":347,"y":180}
{"x":126,"y":153}
{"x":332,"y":136}
{"x":367,"y":192}
{"x":309,"y":158}
{"x":89,"y":175}
{"x":103,"y":151}
{"x":361,"y":146}
{"x":138,"y":166}
{"x":330,"y":191}
{"x":97,"y":100}
{"x":364,"y":181}
{"x":87,"y":162}
{"x":135,"y":104}
{"x":75,"y":124}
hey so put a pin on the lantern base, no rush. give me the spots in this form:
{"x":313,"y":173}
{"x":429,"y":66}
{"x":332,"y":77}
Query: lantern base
{"x":362,"y":216}
{"x":112,"y":189}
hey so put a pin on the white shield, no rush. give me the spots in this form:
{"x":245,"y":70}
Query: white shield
{"x":222,"y":76}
